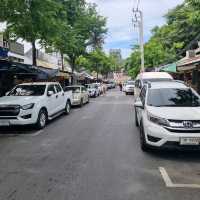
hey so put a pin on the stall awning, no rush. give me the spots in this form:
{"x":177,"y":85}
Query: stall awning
{"x":24,"y":69}
{"x":65,"y":75}
{"x":171,"y":68}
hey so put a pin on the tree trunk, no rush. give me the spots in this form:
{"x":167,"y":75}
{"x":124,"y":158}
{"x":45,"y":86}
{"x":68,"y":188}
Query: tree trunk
{"x":34,"y":57}
{"x":73,"y":68}
{"x":62,"y":61}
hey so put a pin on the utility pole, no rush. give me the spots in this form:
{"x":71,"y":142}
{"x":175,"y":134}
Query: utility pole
{"x":138,"y":22}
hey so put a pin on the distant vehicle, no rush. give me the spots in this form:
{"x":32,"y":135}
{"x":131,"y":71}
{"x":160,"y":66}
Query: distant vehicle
{"x":99,"y":87}
{"x":93,"y":90}
{"x":168,"y":116}
{"x":145,"y":77}
{"x":129,"y":88}
{"x":80,"y":95}
{"x":124,"y":87}
{"x":109,"y":85}
{"x":34,"y":103}
{"x":113,"y":84}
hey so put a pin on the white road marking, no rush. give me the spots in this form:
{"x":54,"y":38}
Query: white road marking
{"x":165,"y":177}
{"x":169,"y":183}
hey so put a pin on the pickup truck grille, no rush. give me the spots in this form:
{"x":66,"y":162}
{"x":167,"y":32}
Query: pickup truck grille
{"x":9,"y":110}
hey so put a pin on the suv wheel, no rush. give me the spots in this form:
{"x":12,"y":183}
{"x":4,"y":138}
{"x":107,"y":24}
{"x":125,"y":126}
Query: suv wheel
{"x":144,"y":146}
{"x":42,"y":119}
{"x":67,"y":108}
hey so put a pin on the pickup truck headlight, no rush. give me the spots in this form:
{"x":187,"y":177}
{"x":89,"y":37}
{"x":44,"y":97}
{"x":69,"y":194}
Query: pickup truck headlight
{"x":28,"y":106}
{"x":158,"y":120}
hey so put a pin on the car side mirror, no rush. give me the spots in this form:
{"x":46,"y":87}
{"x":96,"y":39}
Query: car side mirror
{"x":49,"y":93}
{"x":139,"y":104}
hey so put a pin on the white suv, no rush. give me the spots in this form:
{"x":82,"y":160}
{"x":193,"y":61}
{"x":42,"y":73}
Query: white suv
{"x":168,"y":114}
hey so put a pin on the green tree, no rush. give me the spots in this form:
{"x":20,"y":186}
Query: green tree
{"x":31,"y":20}
{"x":80,"y":23}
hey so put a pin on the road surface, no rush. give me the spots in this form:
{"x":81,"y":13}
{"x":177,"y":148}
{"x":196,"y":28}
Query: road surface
{"x":93,"y":154}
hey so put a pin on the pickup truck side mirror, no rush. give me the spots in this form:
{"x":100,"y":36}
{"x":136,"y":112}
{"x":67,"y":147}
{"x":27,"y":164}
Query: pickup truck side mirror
{"x":139,"y":104}
{"x":50,"y":93}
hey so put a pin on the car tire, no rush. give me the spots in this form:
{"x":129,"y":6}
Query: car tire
{"x":42,"y":119}
{"x":144,"y":146}
{"x":126,"y":93}
{"x":81,"y":103}
{"x":136,"y":120}
{"x":67,"y":108}
{"x":88,"y":101}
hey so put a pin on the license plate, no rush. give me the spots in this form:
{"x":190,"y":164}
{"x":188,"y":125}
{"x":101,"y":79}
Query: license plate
{"x":4,"y":123}
{"x":189,"y":141}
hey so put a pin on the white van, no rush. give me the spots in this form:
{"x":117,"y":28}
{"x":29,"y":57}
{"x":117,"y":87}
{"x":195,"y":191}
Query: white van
{"x":145,"y":77}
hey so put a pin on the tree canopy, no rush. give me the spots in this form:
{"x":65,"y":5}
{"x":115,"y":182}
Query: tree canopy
{"x":169,"y":42}
{"x":67,"y":26}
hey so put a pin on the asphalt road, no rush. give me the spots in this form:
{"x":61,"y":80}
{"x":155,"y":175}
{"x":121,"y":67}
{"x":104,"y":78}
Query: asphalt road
{"x":92,"y":154}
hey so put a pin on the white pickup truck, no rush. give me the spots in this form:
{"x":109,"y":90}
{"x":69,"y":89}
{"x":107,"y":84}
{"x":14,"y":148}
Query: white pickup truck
{"x":34,"y":104}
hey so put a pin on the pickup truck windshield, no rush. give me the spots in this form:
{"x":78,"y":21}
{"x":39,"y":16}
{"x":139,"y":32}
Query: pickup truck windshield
{"x":171,"y":97}
{"x":28,"y":90}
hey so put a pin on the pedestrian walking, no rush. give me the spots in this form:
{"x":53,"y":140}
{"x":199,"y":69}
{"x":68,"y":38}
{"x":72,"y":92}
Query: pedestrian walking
{"x":120,"y":86}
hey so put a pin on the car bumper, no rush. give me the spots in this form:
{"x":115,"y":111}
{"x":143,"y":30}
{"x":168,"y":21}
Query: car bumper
{"x":24,"y":118}
{"x":158,"y":136}
{"x":76,"y":102}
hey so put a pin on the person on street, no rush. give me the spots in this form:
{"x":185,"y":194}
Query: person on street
{"x":120,"y":86}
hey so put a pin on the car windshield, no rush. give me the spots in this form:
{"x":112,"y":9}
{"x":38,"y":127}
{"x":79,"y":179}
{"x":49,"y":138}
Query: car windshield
{"x":172,"y":97}
{"x":91,"y":86}
{"x":73,"y":89}
{"x":131,"y":83}
{"x":28,"y":90}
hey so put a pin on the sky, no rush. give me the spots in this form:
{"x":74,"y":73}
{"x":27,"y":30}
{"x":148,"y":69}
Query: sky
{"x":121,"y":32}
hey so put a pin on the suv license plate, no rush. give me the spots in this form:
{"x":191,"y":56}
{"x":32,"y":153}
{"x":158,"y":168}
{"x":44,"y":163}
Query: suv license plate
{"x":4,"y":123}
{"x":189,"y":141}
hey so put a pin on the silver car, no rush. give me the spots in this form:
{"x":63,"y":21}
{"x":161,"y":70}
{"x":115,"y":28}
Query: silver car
{"x":80,"y":95}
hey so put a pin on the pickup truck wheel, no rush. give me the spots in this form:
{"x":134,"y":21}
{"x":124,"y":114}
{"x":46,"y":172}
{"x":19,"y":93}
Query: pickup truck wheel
{"x":42,"y":119}
{"x":67,"y":108}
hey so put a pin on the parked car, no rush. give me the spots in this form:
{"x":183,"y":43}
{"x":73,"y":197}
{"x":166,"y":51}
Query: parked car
{"x":93,"y":90}
{"x":168,"y":114}
{"x":80,"y":95}
{"x":99,"y":88}
{"x":145,"y":77}
{"x":129,"y":88}
{"x":34,"y":103}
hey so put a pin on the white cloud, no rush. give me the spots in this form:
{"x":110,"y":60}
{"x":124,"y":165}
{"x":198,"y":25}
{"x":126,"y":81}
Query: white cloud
{"x":119,"y":14}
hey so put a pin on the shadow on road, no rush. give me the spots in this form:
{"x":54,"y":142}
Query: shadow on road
{"x":176,"y":155}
